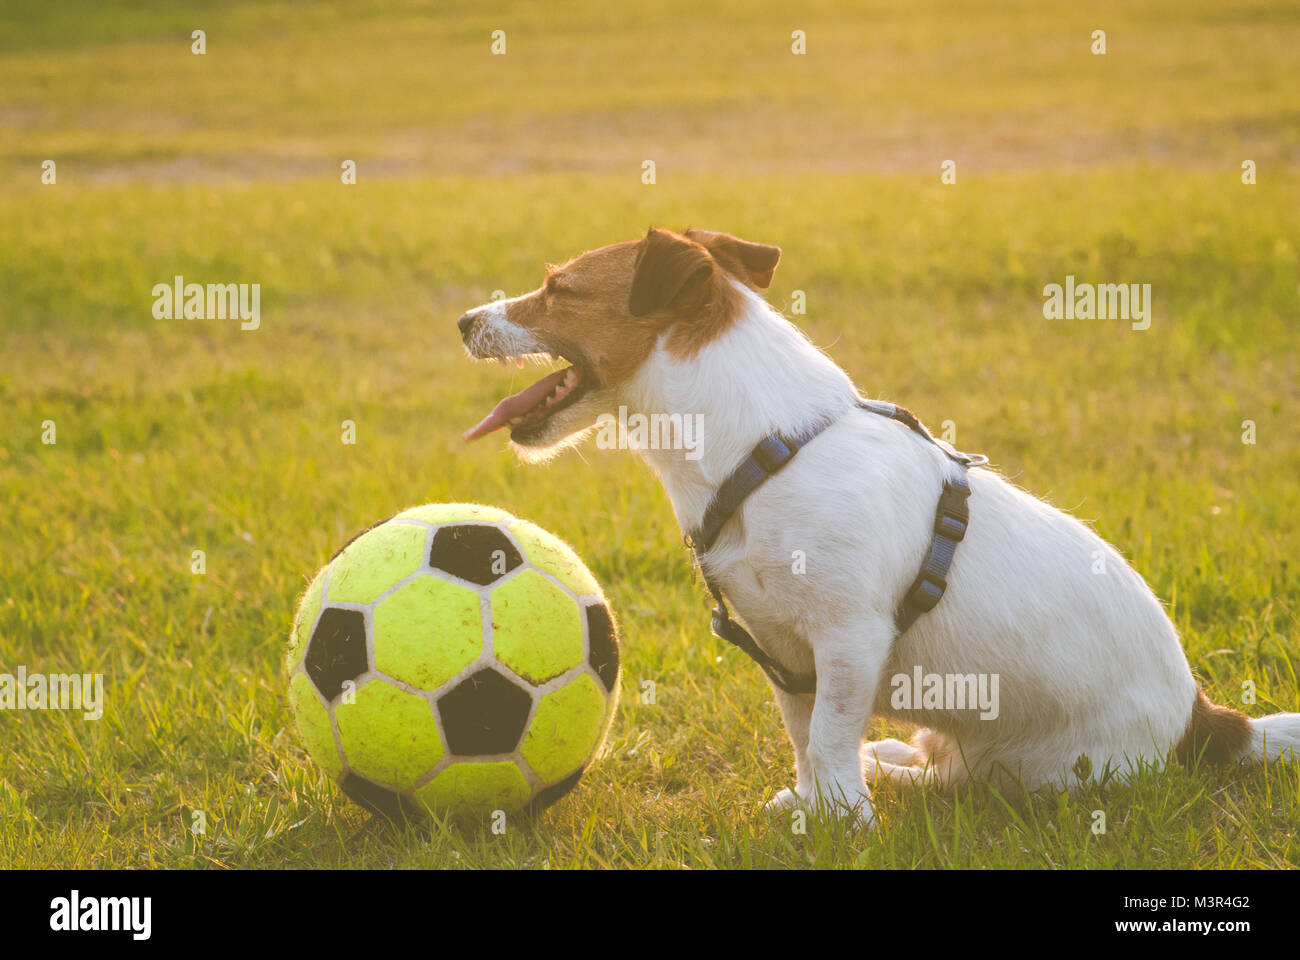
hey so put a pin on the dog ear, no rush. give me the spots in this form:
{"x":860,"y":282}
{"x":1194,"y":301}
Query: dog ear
{"x":666,"y":264}
{"x":752,"y":262}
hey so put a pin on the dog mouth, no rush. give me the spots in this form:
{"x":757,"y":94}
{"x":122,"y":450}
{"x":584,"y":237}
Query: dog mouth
{"x":527,"y":412}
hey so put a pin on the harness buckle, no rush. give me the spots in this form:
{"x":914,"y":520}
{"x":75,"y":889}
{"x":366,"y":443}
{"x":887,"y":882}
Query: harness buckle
{"x":772,"y":453}
{"x":926,"y":591}
{"x":946,"y":525}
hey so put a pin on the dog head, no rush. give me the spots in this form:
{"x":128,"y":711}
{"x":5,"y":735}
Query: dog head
{"x":603,"y":314}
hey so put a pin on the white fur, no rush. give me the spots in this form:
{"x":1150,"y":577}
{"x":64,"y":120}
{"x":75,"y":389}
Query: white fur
{"x":493,"y":336}
{"x":1089,"y":663}
{"x":1275,"y":737}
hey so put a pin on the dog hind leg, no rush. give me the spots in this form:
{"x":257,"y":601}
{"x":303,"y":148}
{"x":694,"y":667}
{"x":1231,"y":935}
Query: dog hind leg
{"x":892,"y":751}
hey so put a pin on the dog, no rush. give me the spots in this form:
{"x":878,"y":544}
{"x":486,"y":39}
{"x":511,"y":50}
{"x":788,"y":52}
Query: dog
{"x":1089,"y":670}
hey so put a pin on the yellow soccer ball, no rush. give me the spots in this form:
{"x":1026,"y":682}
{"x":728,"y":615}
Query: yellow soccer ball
{"x":454,"y":658}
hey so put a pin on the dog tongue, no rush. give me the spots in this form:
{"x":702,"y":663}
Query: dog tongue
{"x":517,"y":405}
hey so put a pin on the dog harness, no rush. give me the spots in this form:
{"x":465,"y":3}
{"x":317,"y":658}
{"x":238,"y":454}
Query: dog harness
{"x":774,"y":452}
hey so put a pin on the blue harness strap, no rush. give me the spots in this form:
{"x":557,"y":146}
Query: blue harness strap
{"x":774,"y":452}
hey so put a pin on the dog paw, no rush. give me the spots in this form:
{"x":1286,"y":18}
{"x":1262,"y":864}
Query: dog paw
{"x":855,"y":808}
{"x":864,"y":817}
{"x":890,"y":751}
{"x":787,"y":799}
{"x":856,"y":811}
{"x":846,"y":804}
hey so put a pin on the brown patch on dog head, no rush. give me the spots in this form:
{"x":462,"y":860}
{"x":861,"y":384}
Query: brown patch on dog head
{"x":581,"y":311}
{"x":670,"y":271}
{"x":607,"y":308}
{"x":1215,"y":734}
{"x":678,"y":281}
{"x":751,"y":263}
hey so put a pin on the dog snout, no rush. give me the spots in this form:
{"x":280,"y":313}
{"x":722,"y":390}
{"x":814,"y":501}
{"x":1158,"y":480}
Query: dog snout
{"x":465,"y":323}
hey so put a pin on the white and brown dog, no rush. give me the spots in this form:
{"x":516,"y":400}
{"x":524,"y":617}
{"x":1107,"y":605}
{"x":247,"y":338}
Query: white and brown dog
{"x":1086,"y":661}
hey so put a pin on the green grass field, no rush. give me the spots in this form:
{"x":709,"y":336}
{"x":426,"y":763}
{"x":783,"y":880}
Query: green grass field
{"x":473,"y":171}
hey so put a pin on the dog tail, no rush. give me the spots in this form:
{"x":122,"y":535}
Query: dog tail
{"x":1218,"y":734}
{"x":1275,"y":737}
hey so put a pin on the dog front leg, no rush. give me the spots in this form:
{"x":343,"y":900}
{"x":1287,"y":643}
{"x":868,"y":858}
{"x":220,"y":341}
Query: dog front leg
{"x":849,"y":662}
{"x":796,"y":711}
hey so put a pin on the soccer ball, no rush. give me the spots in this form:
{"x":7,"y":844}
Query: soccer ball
{"x":453,"y":658}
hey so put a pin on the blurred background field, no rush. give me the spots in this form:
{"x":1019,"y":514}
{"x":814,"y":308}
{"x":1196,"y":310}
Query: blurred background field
{"x":473,"y":171}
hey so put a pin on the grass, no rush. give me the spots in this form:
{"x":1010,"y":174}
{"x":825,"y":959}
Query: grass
{"x":183,"y":435}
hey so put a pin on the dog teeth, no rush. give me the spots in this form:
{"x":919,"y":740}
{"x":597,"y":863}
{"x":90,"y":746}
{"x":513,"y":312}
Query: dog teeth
{"x":515,"y":421}
{"x":571,"y":377}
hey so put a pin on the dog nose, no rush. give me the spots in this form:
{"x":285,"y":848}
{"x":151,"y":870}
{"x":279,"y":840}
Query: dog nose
{"x":464,"y":323}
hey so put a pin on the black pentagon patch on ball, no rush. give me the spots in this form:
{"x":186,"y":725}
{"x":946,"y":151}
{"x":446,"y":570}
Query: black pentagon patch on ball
{"x":474,"y":552}
{"x":603,"y":640}
{"x":377,"y":799}
{"x":484,"y":714}
{"x":555,"y":791}
{"x":336,"y":652}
